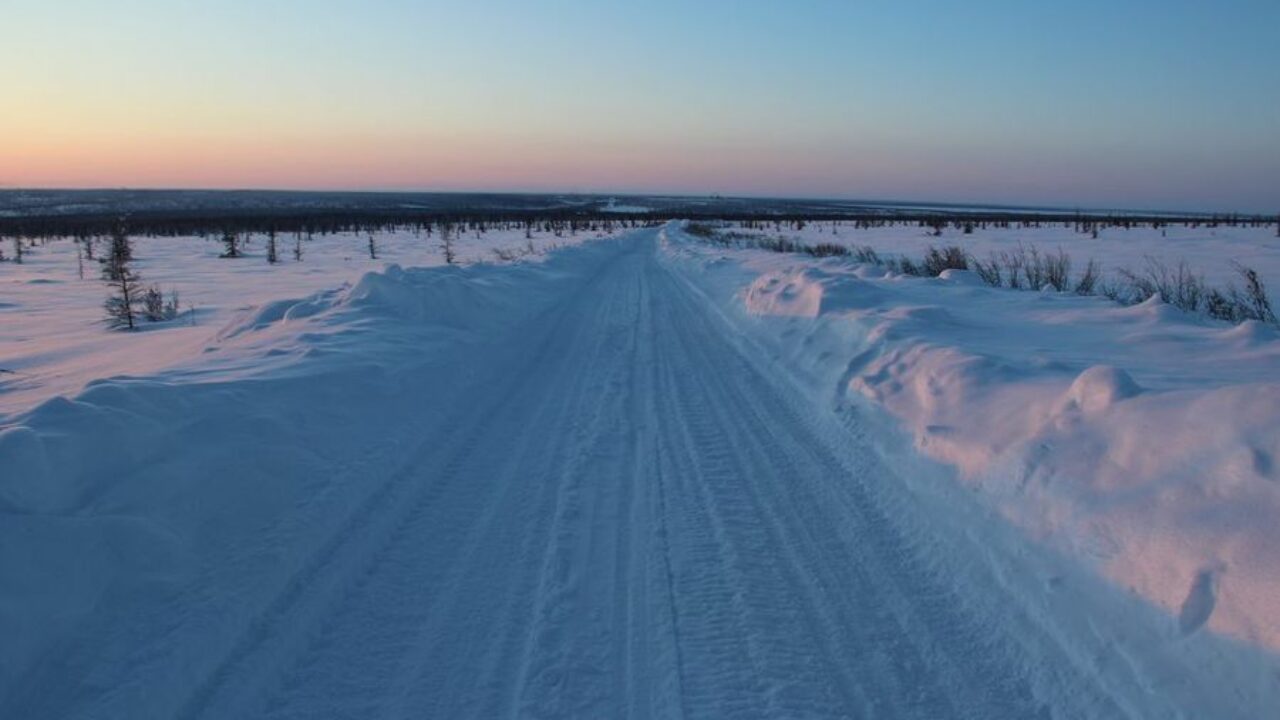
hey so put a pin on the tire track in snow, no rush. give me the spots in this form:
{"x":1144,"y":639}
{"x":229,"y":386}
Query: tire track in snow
{"x":566,"y":656}
{"x":847,"y":588}
{"x":435,"y":553}
{"x":286,"y":623}
{"x":933,"y":659}
{"x":626,"y":516}
{"x":490,"y":680}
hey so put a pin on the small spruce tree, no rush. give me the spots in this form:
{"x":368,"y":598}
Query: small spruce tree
{"x":272,"y":256}
{"x":153,"y":303}
{"x":230,"y":244}
{"x":121,"y":305}
{"x":121,"y":246}
{"x":446,"y":243}
{"x":119,"y":254}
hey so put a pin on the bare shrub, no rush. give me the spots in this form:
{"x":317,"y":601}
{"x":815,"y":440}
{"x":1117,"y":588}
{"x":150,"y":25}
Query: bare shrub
{"x":171,"y":306}
{"x":1089,"y":278}
{"x":1033,"y":268}
{"x":1113,"y":291}
{"x":156,"y":308}
{"x":1254,"y":299}
{"x":951,"y":257}
{"x":1223,"y":305}
{"x":1176,"y":286}
{"x":866,"y":254}
{"x":698,"y":229}
{"x":989,"y":271}
{"x":827,"y":250}
{"x":153,"y":304}
{"x":779,"y":245}
{"x":1013,"y":262}
{"x":1027,"y":267}
{"x":908,"y":267}
{"x":1056,"y":269}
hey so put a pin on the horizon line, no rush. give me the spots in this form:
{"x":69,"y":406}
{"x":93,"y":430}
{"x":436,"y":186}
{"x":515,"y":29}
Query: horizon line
{"x":640,"y":194}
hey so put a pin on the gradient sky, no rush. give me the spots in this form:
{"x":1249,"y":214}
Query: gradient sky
{"x":1138,"y":103}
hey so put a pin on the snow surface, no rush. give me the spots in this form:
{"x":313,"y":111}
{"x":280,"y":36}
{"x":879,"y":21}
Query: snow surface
{"x":1208,"y":251}
{"x":654,"y":478}
{"x":1138,"y":437}
{"x":53,"y":340}
{"x":1138,"y":440}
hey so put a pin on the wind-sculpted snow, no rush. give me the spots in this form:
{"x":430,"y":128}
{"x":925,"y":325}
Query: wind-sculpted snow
{"x":269,"y":431}
{"x":53,"y":340}
{"x":1208,"y":249}
{"x":575,"y":489}
{"x":1139,"y":440}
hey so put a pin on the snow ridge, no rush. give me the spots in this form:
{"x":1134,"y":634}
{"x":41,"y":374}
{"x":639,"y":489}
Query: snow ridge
{"x":1136,"y":442}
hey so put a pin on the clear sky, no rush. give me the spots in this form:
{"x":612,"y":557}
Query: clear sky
{"x":1123,"y":103}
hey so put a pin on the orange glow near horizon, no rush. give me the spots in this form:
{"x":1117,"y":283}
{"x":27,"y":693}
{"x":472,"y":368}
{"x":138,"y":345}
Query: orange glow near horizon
{"x":280,"y":158}
{"x":819,"y":100}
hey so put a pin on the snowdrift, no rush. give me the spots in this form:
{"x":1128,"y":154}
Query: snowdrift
{"x":153,"y":492}
{"x":53,"y":340}
{"x":1141,"y":441}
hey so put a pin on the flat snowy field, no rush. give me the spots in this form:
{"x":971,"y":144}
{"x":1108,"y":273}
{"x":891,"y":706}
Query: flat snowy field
{"x":645,"y":476}
{"x":1208,"y":251}
{"x":53,"y":339}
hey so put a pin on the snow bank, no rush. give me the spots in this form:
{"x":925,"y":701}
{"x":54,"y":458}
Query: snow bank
{"x":1140,"y":441}
{"x":1210,"y":251}
{"x":53,"y":340}
{"x":102,"y":519}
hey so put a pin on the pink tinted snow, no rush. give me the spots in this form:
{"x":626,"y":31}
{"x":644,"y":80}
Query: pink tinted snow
{"x":1139,"y":439}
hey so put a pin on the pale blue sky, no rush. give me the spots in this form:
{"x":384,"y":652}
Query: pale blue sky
{"x":1134,"y":104}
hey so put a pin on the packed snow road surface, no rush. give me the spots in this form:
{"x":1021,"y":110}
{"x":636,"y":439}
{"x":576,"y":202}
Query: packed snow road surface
{"x":608,"y":508}
{"x":626,"y":520}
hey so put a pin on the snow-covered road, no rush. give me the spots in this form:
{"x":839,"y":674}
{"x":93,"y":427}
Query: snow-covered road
{"x":619,"y":512}
{"x":627,"y":519}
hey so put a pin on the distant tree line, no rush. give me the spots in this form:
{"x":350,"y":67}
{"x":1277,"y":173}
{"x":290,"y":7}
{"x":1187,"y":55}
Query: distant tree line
{"x":569,"y":221}
{"x":225,"y":224}
{"x":130,"y":300}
